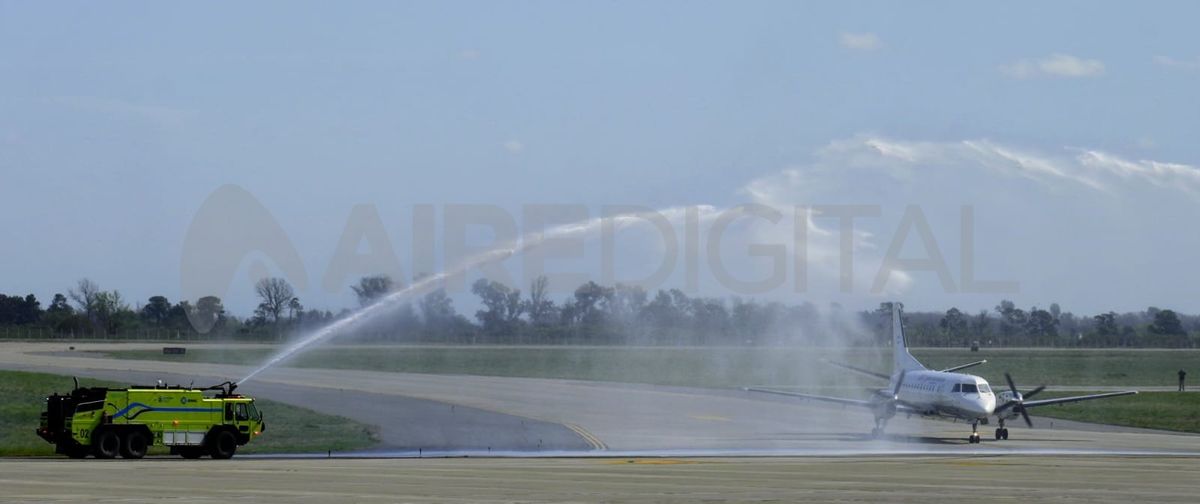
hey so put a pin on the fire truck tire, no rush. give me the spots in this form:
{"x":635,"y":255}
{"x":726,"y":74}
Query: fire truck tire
{"x":222,"y":445}
{"x":106,"y":443}
{"x":134,"y":444}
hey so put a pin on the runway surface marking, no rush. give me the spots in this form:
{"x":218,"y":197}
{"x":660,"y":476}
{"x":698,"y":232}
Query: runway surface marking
{"x":596,"y":443}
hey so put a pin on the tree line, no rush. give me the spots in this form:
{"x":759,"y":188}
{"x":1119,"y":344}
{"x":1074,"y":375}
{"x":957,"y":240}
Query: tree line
{"x":591,"y":314}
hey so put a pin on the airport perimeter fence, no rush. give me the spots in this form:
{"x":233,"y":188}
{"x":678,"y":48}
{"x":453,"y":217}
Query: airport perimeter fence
{"x":35,"y":333}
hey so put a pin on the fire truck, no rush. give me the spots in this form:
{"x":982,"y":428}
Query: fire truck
{"x":191,"y":422}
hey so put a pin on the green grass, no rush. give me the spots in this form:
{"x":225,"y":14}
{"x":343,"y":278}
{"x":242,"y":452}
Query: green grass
{"x":1175,"y":411}
{"x":725,"y":366}
{"x":289,"y":429}
{"x":699,"y":367}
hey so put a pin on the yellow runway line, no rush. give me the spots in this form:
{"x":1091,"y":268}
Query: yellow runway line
{"x":596,"y":443}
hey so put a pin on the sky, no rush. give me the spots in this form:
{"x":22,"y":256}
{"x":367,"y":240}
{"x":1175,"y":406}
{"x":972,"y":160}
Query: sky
{"x":1067,"y":129}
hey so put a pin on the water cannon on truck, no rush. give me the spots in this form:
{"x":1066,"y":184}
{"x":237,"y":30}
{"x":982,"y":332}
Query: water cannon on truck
{"x":191,"y":422}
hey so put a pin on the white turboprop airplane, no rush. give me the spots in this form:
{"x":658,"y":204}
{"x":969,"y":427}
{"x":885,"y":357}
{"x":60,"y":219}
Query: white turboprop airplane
{"x":916,"y":390}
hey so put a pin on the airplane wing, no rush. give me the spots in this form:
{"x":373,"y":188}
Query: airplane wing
{"x":858,"y":370}
{"x":901,"y":407}
{"x":1064,"y":400}
{"x":964,"y":366}
{"x":814,"y":397}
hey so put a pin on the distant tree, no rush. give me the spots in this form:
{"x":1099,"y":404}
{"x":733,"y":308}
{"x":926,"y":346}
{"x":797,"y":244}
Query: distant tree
{"x":955,"y":326}
{"x":210,"y":310}
{"x":1106,"y":328}
{"x":111,"y":313}
{"x":59,"y":305}
{"x":1128,"y":336}
{"x":371,"y":288}
{"x":502,"y":307}
{"x":295,"y":309}
{"x":752,"y":321}
{"x":60,"y":316}
{"x":276,"y":294}
{"x":177,"y":318}
{"x":664,"y":316}
{"x":17,"y":310}
{"x":440,"y":321}
{"x":590,"y":307}
{"x":1042,"y":326}
{"x":84,"y":294}
{"x":436,"y":309}
{"x":539,"y":307}
{"x":981,"y":326}
{"x":157,"y":310}
{"x":1012,"y":321}
{"x":1166,"y":322}
{"x":710,"y":320}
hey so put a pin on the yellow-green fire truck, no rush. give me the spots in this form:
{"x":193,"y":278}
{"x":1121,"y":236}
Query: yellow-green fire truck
{"x":108,"y":422}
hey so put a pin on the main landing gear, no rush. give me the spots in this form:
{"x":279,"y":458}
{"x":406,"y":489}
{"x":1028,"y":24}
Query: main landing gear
{"x":880,"y":423}
{"x":1001,"y":431}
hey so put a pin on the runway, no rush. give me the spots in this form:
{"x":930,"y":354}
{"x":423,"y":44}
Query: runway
{"x":480,"y":415}
{"x":896,"y":479}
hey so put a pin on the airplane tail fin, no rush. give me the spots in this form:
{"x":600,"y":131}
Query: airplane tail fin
{"x":901,"y":359}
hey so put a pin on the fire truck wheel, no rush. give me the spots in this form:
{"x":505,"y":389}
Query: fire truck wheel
{"x":106,"y":443}
{"x":223,"y":444}
{"x":134,"y":445}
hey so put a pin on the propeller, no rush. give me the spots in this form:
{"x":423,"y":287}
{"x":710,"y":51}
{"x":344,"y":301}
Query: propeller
{"x":1018,"y":399}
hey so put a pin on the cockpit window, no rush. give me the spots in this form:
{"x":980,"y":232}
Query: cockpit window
{"x":969,"y":388}
{"x":957,"y":387}
{"x":984,"y":389}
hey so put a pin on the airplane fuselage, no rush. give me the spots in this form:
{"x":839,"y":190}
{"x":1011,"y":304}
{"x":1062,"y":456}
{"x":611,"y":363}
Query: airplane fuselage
{"x":938,"y":393}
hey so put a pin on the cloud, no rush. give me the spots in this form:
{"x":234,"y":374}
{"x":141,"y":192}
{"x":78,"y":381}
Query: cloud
{"x":860,"y":41}
{"x":1092,"y":169}
{"x":1185,"y":64}
{"x":1048,"y":219}
{"x":514,"y":147}
{"x":1055,"y":65}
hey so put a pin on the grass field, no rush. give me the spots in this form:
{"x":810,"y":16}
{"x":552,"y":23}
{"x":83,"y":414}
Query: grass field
{"x":290,"y":429}
{"x":725,"y":366}
{"x":1174,"y":411}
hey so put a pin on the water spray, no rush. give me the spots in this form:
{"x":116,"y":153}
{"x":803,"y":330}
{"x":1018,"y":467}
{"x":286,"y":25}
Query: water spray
{"x":500,"y":253}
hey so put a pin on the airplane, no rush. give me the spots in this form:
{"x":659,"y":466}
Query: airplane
{"x":916,"y":390}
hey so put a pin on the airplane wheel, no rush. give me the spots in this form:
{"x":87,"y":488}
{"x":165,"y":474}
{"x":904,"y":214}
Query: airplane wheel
{"x":875,"y":433}
{"x":1004,"y":434}
{"x":999,"y":434}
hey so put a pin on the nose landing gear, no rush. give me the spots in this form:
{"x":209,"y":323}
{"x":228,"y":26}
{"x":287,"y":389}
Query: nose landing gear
{"x":974,"y":439}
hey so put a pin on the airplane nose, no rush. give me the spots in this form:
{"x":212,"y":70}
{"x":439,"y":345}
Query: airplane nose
{"x":985,"y":405}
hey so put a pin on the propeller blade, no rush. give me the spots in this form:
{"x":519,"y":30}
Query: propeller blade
{"x":1004,"y":406}
{"x":1033,"y":392}
{"x":899,"y":383}
{"x":1025,"y":415}
{"x":1012,"y":386}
